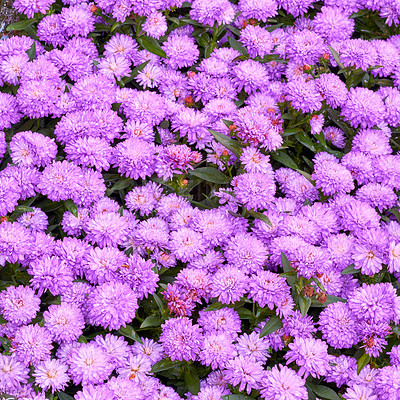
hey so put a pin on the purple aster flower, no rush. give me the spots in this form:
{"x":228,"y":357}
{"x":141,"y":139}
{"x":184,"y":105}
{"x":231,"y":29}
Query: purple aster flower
{"x":123,"y":388}
{"x":32,"y":344}
{"x":78,"y":20}
{"x":373,"y":142}
{"x":94,"y":393}
{"x":303,"y":95}
{"x":332,"y":178}
{"x":181,"y":51}
{"x":16,"y":242}
{"x":89,"y":364}
{"x":376,"y":195}
{"x":218,"y":12}
{"x":9,"y":111}
{"x":135,"y":368}
{"x":151,"y":349}
{"x":391,"y":98}
{"x":152,"y":233}
{"x":223,"y":321}
{"x":77,"y":294}
{"x":65,"y":322}
{"x":29,"y":8}
{"x":245,"y":372}
{"x":360,"y":166}
{"x":89,"y":151}
{"x":341,"y":371}
{"x":373,"y":303}
{"x":338,"y":326}
{"x":335,"y":135}
{"x":36,"y":220}
{"x":120,"y":44}
{"x":139,"y":275}
{"x":358,"y":53}
{"x":19,"y":304}
{"x":363,"y":108}
{"x":114,"y":66}
{"x":181,"y":339}
{"x":395,"y":356}
{"x":333,"y":25}
{"x":258,"y":9}
{"x":295,"y":7}
{"x":296,"y":325}
{"x":332,"y":89}
{"x":216,"y":350}
{"x":360,"y":392}
{"x":229,"y":284}
{"x":107,"y":229}
{"x":282,"y":382}
{"x":50,"y":273}
{"x":93,"y":188}
{"x":186,"y":244}
{"x":155,"y":25}
{"x":386,"y":170}
{"x":111,"y":305}
{"x":249,"y":75}
{"x":51,"y":31}
{"x":73,"y":225}
{"x":385,"y":383}
{"x":254,"y":190}
{"x":115,"y":346}
{"x":143,"y":198}
{"x":257,"y":40}
{"x":9,"y":196}
{"x":51,"y":374}
{"x":253,"y":346}
{"x":394,"y":257}
{"x":310,"y":355}
{"x":150,"y":76}
{"x":12,"y":372}
{"x":267,"y":288}
{"x":304,"y":47}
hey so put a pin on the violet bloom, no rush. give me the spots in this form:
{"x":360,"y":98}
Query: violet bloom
{"x":258,"y":9}
{"x":311,"y":355}
{"x":181,"y":339}
{"x":245,"y":372}
{"x":12,"y":372}
{"x":9,"y":111}
{"x":51,"y":374}
{"x":216,"y":350}
{"x":229,"y":284}
{"x":283,"y":383}
{"x":181,"y":51}
{"x":135,"y":368}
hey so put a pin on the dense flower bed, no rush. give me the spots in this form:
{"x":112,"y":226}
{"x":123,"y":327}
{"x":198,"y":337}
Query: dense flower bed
{"x":199,"y":200}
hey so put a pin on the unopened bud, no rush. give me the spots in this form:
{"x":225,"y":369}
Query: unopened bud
{"x":232,"y":127}
{"x":225,"y":153}
{"x":93,"y":8}
{"x":325,"y":56}
{"x":191,"y":74}
{"x":308,"y":291}
{"x":322,"y":297}
{"x":185,"y":182}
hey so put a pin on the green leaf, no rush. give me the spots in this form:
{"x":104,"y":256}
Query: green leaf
{"x":151,"y":45}
{"x":134,"y":73}
{"x":324,"y":392}
{"x":284,"y":159}
{"x":211,"y":174}
{"x":245,"y":313}
{"x":71,"y":207}
{"x":305,"y":140}
{"x":165,"y":364}
{"x":130,"y":333}
{"x":362,"y":362}
{"x":260,"y":216}
{"x":159,"y":303}
{"x":151,"y":320}
{"x":273,"y":324}
{"x":304,"y":304}
{"x":192,"y":380}
{"x":336,"y":57}
{"x":23,"y":209}
{"x":32,"y":52}
{"x":215,"y":306}
{"x":234,"y":146}
{"x":64,"y":396}
{"x":288,"y":268}
{"x":236,"y":45}
{"x":350,"y":270}
{"x":21,"y":25}
{"x":121,"y":184}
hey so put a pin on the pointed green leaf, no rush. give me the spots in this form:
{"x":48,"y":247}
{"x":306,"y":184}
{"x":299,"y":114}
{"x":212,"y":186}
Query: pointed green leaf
{"x":273,"y":324}
{"x":130,"y":333}
{"x":284,"y":159}
{"x":21,"y":25}
{"x":71,"y":207}
{"x":288,"y":268}
{"x":192,"y":380}
{"x":165,"y":364}
{"x":260,"y":216}
{"x":350,"y":270}
{"x":362,"y":362}
{"x":237,"y":397}
{"x":134,"y":73}
{"x":336,"y":57}
{"x":23,"y":209}
{"x":150,"y":321}
{"x":211,"y":174}
{"x":236,"y":45}
{"x":304,"y":304}
{"x":324,"y":392}
{"x":234,"y":146}
{"x":151,"y":45}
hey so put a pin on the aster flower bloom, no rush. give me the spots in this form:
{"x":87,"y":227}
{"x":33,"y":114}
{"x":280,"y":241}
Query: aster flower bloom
{"x":283,"y":382}
{"x":12,"y":372}
{"x":381,"y":295}
{"x":332,"y":89}
{"x":50,"y":273}
{"x":77,"y":294}
{"x":90,"y":392}
{"x":216,"y":350}
{"x":103,"y":305}
{"x":36,"y":220}
{"x":342,"y":369}
{"x":257,"y":40}
{"x":29,"y":8}
{"x":296,"y":325}
{"x":310,"y":355}
{"x":143,"y":198}
{"x":358,"y":53}
{"x":335,"y":136}
{"x":155,"y":25}
{"x":218,"y":12}
{"x":254,"y":190}
{"x":373,"y":142}
{"x":186,"y":244}
{"x":138,"y":129}
{"x":338,"y":326}
{"x":225,"y":320}
{"x":19,"y":304}
{"x":358,"y":392}
{"x":245,"y":372}
{"x":229,"y":284}
{"x":363,"y":108}
{"x":249,"y":75}
{"x":304,"y":47}
{"x":181,"y":51}
{"x":150,"y":76}
{"x":268,"y":288}
{"x":151,"y":349}
{"x":120,"y":44}
{"x":32,"y":344}
{"x":11,"y":67}
{"x":51,"y":374}
{"x":9,"y":111}
{"x":73,"y":225}
{"x":253,"y":346}
{"x":89,"y":364}
{"x":394,"y":257}
{"x":78,"y":20}
{"x":135,"y":368}
{"x":116,"y":66}
{"x":260,"y":10}
{"x":303,"y":95}
{"x":51,"y":31}
{"x":116,"y":347}
{"x":152,"y":233}
{"x":181,"y":339}
{"x":65,"y":322}
{"x":107,"y":229}
{"x":360,"y":166}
